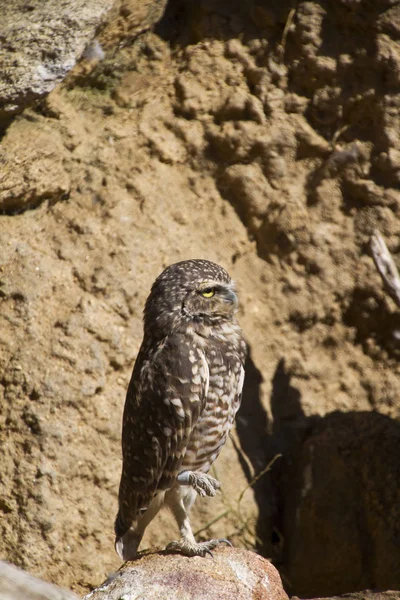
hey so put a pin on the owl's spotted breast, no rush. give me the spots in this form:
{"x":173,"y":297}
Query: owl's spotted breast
{"x":182,"y":399}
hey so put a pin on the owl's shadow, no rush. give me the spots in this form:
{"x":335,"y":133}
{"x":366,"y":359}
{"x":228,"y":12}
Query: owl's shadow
{"x":331,"y":489}
{"x":265,"y":442}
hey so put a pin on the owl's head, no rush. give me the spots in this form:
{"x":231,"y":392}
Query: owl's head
{"x":197,"y":291}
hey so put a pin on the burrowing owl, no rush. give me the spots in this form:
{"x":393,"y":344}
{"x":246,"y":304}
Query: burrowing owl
{"x":181,"y":403}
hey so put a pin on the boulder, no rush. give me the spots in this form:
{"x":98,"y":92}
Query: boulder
{"x":16,"y":584}
{"x":365,"y":595}
{"x":341,"y":507}
{"x":231,"y":574}
{"x":42,"y":41}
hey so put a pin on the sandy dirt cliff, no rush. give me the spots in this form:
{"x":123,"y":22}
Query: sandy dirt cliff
{"x":263,"y":136}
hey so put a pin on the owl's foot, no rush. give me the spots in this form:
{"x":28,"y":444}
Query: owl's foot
{"x":203,"y":484}
{"x":195,"y":549}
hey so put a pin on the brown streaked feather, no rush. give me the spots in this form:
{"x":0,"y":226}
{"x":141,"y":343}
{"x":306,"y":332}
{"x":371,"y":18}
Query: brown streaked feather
{"x":162,"y":406}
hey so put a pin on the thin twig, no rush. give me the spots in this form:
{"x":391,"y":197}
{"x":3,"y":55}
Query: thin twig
{"x":288,"y":24}
{"x":242,"y":455}
{"x":337,"y":135}
{"x":243,"y":524}
{"x":207,"y":525}
{"x":386,"y":266}
{"x":257,"y":477}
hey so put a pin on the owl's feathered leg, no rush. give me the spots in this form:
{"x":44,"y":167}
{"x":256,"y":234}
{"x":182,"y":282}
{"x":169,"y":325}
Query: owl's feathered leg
{"x":180,"y":499}
{"x":127,"y":544}
{"x":203,"y":484}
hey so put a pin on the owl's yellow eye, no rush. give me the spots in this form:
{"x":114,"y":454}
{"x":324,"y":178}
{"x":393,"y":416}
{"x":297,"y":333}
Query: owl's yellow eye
{"x":208,"y":293}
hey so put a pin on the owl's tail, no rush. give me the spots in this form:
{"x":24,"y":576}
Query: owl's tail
{"x":127,"y":539}
{"x":129,"y":530}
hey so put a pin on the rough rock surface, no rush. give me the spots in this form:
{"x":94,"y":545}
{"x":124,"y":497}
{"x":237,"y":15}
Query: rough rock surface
{"x":341,"y":502}
{"x":231,"y":575}
{"x":365,"y":595}
{"x":42,"y":41}
{"x":16,"y":584}
{"x":261,"y":137}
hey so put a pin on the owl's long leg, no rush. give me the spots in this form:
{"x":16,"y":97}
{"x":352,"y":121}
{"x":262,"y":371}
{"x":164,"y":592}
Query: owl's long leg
{"x":203,"y":484}
{"x":180,"y":499}
{"x":127,"y":545}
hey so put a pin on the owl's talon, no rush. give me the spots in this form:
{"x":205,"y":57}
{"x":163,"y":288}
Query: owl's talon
{"x":224,"y":541}
{"x":194,"y":548}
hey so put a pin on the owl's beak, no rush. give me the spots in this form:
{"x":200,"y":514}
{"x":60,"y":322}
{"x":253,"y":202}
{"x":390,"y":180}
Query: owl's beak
{"x":230,"y":297}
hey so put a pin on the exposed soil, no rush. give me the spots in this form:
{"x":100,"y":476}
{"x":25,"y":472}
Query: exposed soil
{"x":260,"y":135}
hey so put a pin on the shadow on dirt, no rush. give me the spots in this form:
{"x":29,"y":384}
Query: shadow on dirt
{"x":330,"y":506}
{"x":186,"y":23}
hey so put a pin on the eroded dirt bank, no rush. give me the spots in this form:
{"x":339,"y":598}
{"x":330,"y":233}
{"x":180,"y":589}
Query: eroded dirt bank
{"x":263,"y":136}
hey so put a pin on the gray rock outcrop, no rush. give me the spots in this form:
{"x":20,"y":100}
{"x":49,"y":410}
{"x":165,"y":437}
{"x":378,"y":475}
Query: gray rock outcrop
{"x":16,"y":584}
{"x":42,"y":41}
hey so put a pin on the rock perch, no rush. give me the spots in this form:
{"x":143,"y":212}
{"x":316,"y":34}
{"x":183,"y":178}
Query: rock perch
{"x":232,"y":574}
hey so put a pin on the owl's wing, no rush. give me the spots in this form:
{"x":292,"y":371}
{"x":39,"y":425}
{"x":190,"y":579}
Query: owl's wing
{"x":165,"y":398}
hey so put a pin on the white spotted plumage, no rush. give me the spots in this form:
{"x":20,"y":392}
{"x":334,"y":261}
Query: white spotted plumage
{"x":181,"y":402}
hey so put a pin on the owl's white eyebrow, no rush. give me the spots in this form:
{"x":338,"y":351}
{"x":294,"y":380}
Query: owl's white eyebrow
{"x":212,"y":283}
